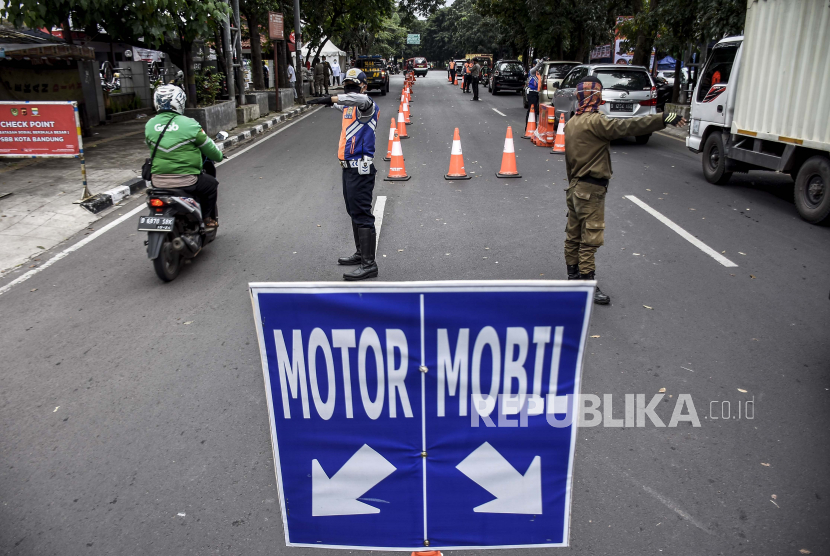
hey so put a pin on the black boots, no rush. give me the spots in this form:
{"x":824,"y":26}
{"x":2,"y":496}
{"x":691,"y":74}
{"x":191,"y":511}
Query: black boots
{"x":599,"y":297}
{"x":368,"y":267}
{"x":573,"y":272}
{"x":352,"y":259}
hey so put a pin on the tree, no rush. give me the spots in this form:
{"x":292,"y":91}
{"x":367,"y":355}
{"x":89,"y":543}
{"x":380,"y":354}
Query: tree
{"x":171,"y":26}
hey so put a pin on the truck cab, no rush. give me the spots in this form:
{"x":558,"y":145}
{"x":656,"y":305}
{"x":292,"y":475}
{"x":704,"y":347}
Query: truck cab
{"x":713,"y":103}
{"x":751,"y":109}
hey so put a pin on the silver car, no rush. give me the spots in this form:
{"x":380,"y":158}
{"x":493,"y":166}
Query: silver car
{"x":627,"y":92}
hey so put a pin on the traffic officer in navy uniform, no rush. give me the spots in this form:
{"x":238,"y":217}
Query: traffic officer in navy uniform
{"x":356,"y":154}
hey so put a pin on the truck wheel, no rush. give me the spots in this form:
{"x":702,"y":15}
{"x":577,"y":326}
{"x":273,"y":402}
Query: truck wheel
{"x":812,"y":190}
{"x":714,"y":161}
{"x":383,"y":91}
{"x":642,"y":139}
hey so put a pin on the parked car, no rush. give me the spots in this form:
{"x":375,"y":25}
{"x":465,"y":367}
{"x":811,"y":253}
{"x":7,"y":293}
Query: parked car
{"x":507,"y":75}
{"x":459,"y":69}
{"x":375,"y":69}
{"x":627,"y":92}
{"x":664,"y":91}
{"x":552,"y":73}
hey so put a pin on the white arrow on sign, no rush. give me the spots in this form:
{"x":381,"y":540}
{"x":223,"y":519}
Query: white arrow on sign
{"x":515,"y":494}
{"x":338,"y":495}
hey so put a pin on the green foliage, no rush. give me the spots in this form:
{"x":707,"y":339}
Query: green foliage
{"x":159,"y":24}
{"x":208,"y":86}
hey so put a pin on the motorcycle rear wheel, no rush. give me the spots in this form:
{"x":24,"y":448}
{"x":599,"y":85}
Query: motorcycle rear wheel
{"x":169,"y":263}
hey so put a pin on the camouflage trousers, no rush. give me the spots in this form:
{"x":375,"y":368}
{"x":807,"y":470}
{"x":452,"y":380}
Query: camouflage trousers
{"x":585,"y":230}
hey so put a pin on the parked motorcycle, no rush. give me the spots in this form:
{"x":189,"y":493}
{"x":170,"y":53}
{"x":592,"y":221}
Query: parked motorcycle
{"x":175,"y":230}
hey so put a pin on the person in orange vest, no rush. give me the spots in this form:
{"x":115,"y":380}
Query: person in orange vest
{"x":356,"y":154}
{"x":468,"y":69}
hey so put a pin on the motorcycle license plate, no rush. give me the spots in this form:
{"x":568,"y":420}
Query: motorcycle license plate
{"x":622,"y":107}
{"x":156,"y":223}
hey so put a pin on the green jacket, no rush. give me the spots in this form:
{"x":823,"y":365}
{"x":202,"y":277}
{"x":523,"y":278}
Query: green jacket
{"x":588,"y":136}
{"x":182,"y":146}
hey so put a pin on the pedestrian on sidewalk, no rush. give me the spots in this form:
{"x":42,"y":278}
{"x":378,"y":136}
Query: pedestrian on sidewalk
{"x":178,"y":145}
{"x":292,"y":79}
{"x":475,"y":75}
{"x":356,"y":154}
{"x":327,"y":73}
{"x":588,"y":135}
{"x":335,"y":72}
{"x":319,"y":73}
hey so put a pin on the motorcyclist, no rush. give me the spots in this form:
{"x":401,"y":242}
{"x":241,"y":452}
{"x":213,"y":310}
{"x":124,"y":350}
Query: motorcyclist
{"x":178,"y":161}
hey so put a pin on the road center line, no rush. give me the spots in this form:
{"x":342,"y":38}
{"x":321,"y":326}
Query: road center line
{"x":377,"y":212}
{"x":681,"y":232}
{"x":499,"y":113}
{"x":71,"y":249}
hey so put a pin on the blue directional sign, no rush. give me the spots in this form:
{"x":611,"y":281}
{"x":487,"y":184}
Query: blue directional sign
{"x":423,"y":414}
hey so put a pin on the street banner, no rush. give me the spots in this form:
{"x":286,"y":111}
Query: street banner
{"x":407,"y":415}
{"x":37,"y":129}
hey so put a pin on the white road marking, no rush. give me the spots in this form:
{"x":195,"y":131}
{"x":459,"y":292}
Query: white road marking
{"x":377,"y":212}
{"x":499,"y":113}
{"x":681,"y":232}
{"x":71,"y":249}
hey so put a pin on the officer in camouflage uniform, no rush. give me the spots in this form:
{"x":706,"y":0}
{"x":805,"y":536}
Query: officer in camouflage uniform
{"x":588,"y":135}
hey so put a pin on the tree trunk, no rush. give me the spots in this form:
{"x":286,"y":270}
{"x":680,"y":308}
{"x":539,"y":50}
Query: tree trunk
{"x":675,"y":90}
{"x":284,"y":60}
{"x":219,"y":46}
{"x":645,"y":37}
{"x":256,"y":53}
{"x":67,"y":32}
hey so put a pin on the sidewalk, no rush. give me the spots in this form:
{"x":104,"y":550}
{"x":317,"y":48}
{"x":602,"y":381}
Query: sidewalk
{"x":37,"y":209}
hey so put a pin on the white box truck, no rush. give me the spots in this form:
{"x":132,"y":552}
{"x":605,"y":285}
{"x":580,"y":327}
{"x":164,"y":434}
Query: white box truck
{"x":763,"y":101}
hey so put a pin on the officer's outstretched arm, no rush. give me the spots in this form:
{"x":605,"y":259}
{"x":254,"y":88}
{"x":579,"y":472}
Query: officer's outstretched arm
{"x":363,"y":102}
{"x":613,"y":128}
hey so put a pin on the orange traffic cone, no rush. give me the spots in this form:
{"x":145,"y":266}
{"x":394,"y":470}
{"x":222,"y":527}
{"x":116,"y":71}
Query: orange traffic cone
{"x":559,"y":145}
{"x":508,"y":158}
{"x":531,"y":124}
{"x":397,"y":168}
{"x":455,"y":79}
{"x":457,"y":171}
{"x":402,"y":126}
{"x":392,"y":130}
{"x":405,"y":110}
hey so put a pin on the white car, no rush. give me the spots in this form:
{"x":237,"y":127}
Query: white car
{"x":627,"y":92}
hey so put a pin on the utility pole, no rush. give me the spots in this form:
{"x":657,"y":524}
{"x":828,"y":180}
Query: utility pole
{"x":237,"y":47}
{"x":298,"y":49}
{"x":229,"y":46}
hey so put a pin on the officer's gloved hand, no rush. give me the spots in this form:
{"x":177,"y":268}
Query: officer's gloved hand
{"x":321,"y":100}
{"x":672,"y":118}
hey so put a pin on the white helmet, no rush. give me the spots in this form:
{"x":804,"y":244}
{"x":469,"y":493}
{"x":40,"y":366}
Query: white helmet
{"x":169,"y":98}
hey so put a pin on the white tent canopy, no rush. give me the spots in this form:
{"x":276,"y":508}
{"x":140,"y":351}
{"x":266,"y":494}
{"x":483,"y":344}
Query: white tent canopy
{"x":330,"y":51}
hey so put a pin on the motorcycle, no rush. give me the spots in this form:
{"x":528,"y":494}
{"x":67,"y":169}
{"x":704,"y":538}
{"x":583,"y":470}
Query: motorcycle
{"x":175,"y":230}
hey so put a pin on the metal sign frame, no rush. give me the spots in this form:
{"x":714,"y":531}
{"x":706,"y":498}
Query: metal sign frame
{"x":86,"y":193}
{"x":312,"y":288}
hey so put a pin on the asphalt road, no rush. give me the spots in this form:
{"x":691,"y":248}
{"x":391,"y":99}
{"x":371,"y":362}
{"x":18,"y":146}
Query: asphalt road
{"x":133,"y":417}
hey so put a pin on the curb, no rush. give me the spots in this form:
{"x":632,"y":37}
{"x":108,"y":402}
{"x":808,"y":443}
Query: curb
{"x":260,"y":128}
{"x":101,"y":201}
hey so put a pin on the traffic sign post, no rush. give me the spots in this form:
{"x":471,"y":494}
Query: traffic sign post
{"x":411,"y":415}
